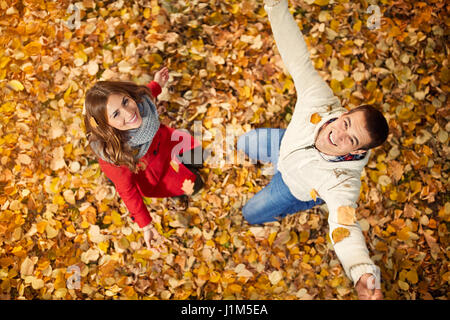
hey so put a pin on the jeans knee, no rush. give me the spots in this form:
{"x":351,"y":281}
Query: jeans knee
{"x":245,"y":214}
{"x":249,"y":215}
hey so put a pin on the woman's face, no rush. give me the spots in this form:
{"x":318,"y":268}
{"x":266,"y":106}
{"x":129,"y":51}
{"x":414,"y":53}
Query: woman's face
{"x":122,"y":112}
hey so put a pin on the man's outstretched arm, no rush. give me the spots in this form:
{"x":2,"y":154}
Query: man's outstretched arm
{"x":350,"y":247}
{"x":294,"y":51}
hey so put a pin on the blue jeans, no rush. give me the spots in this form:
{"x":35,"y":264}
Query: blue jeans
{"x":275,"y":200}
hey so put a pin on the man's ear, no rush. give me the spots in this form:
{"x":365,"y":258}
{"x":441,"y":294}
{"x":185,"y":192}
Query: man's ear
{"x":359,"y":151}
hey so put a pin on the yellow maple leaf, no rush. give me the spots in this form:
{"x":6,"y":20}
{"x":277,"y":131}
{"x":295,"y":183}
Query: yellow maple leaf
{"x":315,"y":118}
{"x":339,"y":234}
{"x":346,"y":215}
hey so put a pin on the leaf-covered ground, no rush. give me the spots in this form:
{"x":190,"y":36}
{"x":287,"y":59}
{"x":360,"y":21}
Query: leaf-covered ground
{"x":59,"y":213}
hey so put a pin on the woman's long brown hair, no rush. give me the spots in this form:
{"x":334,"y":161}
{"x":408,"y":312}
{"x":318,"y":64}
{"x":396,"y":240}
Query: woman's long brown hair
{"x":111,"y":141}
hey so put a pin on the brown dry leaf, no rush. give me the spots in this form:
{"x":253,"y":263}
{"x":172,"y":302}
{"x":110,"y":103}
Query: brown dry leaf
{"x":346,"y":215}
{"x":27,"y":267}
{"x":282,"y":238}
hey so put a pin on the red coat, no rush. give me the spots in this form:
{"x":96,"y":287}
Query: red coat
{"x":163,"y":175}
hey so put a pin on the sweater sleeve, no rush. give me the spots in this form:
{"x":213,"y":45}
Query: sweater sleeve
{"x":351,"y":250}
{"x":294,"y":52}
{"x":155,"y":88}
{"x":128,"y":191}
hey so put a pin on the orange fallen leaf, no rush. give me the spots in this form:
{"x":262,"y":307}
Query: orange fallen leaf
{"x":32,"y":48}
{"x":41,"y":226}
{"x":346,"y":215}
{"x":340,"y":234}
{"x":315,"y":118}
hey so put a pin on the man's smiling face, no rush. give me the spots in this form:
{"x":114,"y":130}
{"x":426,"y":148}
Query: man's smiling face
{"x":347,"y":134}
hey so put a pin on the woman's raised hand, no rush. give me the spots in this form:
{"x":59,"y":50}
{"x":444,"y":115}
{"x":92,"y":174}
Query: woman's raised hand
{"x":162,"y":76}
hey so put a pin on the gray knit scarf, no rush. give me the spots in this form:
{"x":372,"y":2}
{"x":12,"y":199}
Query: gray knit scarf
{"x":140,"y":138}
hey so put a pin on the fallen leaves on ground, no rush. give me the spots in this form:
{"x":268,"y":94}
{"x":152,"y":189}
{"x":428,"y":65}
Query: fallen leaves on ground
{"x":60,"y":218}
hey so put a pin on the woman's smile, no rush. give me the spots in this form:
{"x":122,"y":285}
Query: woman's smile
{"x":133,"y":119}
{"x":123,"y":112}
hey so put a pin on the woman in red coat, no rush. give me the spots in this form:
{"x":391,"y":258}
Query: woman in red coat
{"x":138,"y":154}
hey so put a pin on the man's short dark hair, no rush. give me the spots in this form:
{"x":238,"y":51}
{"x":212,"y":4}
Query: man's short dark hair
{"x":376,"y":125}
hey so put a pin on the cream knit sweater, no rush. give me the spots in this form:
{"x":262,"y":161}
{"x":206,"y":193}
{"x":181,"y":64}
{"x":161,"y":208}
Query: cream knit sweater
{"x":301,"y":165}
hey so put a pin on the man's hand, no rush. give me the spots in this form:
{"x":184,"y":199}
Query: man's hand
{"x":162,"y":76}
{"x":365,"y":287}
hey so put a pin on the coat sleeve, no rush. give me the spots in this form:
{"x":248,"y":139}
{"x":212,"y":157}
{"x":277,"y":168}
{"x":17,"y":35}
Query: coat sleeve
{"x":294,"y":52}
{"x":155,"y":88}
{"x":126,"y":187}
{"x":351,"y":250}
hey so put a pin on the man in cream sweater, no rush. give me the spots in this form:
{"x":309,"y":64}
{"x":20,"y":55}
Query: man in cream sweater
{"x":319,"y":157}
